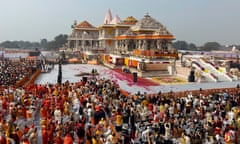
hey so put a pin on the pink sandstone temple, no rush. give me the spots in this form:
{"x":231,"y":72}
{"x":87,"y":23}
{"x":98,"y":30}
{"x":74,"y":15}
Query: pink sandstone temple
{"x":143,"y":46}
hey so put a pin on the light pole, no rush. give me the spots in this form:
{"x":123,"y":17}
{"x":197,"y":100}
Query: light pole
{"x":59,"y":78}
{"x":83,"y":40}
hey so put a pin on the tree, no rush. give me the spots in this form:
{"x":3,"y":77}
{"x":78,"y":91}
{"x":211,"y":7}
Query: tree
{"x":58,"y":42}
{"x":208,"y":46}
{"x":51,"y":45}
{"x":44,"y":43}
{"x":192,"y":46}
{"x":9,"y":44}
{"x":180,"y":45}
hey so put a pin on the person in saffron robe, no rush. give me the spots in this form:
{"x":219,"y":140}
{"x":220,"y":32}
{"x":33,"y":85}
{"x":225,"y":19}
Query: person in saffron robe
{"x":25,"y":141}
{"x":19,"y":133}
{"x":68,"y":139}
{"x":44,"y":135}
{"x":50,"y":132}
{"x":43,"y":112}
{"x":4,"y":104}
{"x":58,"y":139}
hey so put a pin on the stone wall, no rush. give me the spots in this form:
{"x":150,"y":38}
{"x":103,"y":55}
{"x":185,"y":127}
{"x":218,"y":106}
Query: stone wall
{"x":182,"y":71}
{"x":156,"y":67}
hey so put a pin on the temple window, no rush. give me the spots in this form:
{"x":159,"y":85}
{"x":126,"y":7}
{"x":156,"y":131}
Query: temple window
{"x":87,"y":43}
{"x":165,"y":46}
{"x":148,"y":45}
{"x":71,"y":44}
{"x":131,"y":45}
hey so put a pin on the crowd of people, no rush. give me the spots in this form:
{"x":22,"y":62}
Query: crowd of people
{"x":14,"y":71}
{"x":94,"y":111}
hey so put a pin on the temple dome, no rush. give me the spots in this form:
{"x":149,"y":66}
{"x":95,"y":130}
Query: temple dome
{"x":85,"y":24}
{"x":147,"y":23}
{"x":130,"y":20}
{"x":162,"y":31}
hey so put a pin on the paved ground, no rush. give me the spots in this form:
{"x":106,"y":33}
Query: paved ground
{"x":69,"y":71}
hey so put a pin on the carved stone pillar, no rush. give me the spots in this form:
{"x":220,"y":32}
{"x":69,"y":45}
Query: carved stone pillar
{"x":152,"y":44}
{"x":68,"y":43}
{"x":75,"y":45}
{"x":118,"y":45}
{"x":144,"y":46}
{"x":158,"y":44}
{"x":122,"y":45}
{"x":127,"y":45}
{"x":136,"y":44}
{"x":155,"y":44}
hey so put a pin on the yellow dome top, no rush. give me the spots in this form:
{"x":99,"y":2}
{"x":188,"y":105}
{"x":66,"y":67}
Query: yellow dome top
{"x":130,"y":20}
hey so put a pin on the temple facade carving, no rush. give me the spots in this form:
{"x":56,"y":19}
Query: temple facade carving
{"x":121,"y":36}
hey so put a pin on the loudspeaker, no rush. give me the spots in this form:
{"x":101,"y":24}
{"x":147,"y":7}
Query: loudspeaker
{"x":191,"y":77}
{"x":192,"y":72}
{"x":84,"y":79}
{"x":135,"y":77}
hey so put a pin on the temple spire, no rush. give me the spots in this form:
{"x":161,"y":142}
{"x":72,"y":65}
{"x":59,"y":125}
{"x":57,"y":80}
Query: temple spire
{"x":116,"y":20}
{"x":108,"y":17}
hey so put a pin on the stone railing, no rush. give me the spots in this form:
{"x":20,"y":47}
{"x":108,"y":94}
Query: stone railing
{"x":22,"y":81}
{"x":33,"y":78}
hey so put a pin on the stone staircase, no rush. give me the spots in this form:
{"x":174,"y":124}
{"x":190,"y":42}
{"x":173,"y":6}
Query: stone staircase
{"x":221,"y":75}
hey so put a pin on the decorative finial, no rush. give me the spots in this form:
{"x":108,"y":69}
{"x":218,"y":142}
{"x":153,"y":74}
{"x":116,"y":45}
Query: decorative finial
{"x":75,"y":22}
{"x":147,"y":15}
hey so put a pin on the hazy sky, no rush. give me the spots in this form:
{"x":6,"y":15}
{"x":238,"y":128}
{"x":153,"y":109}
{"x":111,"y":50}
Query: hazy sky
{"x":196,"y":21}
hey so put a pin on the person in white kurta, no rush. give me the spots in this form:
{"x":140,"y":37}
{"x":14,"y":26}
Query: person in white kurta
{"x":58,"y":115}
{"x":76,"y":105}
{"x":167,"y":131}
{"x":187,"y":140}
{"x":145,"y":133}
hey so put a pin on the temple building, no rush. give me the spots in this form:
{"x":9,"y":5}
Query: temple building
{"x":84,"y":37}
{"x":112,"y":28}
{"x":146,"y":34}
{"x":141,"y":45}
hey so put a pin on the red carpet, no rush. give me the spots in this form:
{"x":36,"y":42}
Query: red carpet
{"x":140,"y":81}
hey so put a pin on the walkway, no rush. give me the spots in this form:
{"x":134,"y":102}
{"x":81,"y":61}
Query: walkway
{"x":70,"y":70}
